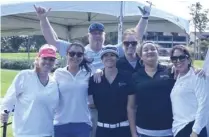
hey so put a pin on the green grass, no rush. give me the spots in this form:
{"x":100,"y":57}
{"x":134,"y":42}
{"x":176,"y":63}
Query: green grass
{"x":198,"y":63}
{"x":7,"y":77}
{"x":18,"y":56}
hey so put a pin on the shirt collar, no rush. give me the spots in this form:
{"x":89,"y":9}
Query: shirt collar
{"x":189,"y":73}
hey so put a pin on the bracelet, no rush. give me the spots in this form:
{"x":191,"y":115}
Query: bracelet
{"x":145,"y":18}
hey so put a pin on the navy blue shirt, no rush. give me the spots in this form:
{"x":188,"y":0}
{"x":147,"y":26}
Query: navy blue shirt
{"x":124,"y":65}
{"x":154,"y":111}
{"x":111,"y":99}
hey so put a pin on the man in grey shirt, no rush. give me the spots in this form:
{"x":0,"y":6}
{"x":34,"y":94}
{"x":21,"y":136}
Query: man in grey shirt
{"x":96,"y":36}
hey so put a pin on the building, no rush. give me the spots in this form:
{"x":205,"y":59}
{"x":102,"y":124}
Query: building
{"x":166,"y":40}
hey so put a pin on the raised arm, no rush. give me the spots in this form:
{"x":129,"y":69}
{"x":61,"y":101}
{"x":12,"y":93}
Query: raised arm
{"x":142,"y":24}
{"x":46,"y":28}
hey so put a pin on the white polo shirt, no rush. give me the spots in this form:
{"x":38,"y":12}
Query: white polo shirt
{"x":35,"y":105}
{"x":73,"y":107}
{"x":189,"y":97}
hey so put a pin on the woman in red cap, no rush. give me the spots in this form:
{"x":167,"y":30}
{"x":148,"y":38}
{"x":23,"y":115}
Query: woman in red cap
{"x":34,"y":93}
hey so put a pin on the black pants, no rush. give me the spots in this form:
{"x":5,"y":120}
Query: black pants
{"x":187,"y":130}
{"x":113,"y":132}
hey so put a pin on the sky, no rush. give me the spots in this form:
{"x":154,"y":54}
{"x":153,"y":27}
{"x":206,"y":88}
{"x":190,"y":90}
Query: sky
{"x":178,"y":7}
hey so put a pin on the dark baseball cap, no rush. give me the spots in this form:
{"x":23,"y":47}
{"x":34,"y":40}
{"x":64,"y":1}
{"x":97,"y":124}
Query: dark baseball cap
{"x":96,"y":26}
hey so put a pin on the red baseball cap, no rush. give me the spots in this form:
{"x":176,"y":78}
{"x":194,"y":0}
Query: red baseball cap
{"x":47,"y":51}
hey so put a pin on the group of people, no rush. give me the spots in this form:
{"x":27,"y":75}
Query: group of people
{"x":108,"y":91}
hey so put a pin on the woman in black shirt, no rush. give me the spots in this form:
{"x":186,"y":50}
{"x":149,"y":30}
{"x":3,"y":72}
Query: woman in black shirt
{"x":153,"y":84}
{"x":130,"y":61}
{"x":112,"y":97}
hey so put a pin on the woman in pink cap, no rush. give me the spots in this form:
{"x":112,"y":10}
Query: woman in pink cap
{"x":34,"y":93}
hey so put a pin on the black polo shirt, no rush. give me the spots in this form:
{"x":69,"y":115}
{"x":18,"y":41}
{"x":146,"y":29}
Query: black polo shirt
{"x":124,"y":65}
{"x":153,"y":102}
{"x":111,"y":99}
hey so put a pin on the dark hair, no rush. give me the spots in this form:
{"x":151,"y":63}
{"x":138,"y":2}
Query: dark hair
{"x":183,"y":49}
{"x":85,"y":62}
{"x":139,"y":50}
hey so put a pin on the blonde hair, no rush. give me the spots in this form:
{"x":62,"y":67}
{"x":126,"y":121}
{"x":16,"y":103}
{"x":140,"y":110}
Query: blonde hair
{"x":131,"y":31}
{"x":36,"y":64}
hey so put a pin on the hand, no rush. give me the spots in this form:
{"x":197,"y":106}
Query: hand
{"x":41,"y":12}
{"x":4,"y":117}
{"x":200,"y":73}
{"x":145,"y":11}
{"x":97,"y":75}
{"x":193,"y":134}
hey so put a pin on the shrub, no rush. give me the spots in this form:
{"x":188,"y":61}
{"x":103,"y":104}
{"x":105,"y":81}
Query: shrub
{"x":22,"y":64}
{"x":16,"y":64}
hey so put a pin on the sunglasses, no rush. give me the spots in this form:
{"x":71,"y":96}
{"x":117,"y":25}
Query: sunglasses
{"x":78,"y":54}
{"x":128,"y":43}
{"x":181,"y":58}
{"x":49,"y":59}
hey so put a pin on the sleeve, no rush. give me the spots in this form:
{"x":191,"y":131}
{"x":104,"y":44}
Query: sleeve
{"x":91,"y":86}
{"x":62,"y":47}
{"x":202,"y":95}
{"x":15,"y":89}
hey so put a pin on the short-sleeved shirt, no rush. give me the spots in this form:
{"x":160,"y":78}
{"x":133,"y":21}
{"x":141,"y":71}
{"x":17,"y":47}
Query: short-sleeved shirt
{"x":73,"y":107}
{"x":154,"y":111}
{"x":62,"y":47}
{"x":111,"y":99}
{"x":124,"y":64}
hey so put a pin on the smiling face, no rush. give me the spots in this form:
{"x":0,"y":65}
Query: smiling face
{"x":109,"y":60}
{"x":129,"y":44}
{"x":75,"y":55}
{"x":180,"y":60}
{"x":149,"y":53}
{"x":96,"y":39}
{"x":46,"y":64}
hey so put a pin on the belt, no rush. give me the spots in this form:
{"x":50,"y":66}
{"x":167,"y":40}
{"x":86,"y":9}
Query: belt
{"x":106,"y":125}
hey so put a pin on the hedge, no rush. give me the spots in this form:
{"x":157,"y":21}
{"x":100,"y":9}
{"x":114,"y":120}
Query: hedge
{"x":21,"y":64}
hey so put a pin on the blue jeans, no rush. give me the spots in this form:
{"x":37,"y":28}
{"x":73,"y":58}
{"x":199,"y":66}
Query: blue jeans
{"x":72,"y":130}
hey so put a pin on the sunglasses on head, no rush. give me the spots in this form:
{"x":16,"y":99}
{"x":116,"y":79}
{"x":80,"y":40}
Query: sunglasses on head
{"x":181,"y":58}
{"x":78,"y":54}
{"x":127,"y":43}
{"x":49,"y":59}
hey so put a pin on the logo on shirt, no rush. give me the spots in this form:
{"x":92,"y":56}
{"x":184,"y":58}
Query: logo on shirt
{"x":164,"y":76}
{"x":120,"y":84}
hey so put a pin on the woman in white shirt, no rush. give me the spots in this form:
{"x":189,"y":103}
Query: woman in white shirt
{"x":73,"y":117}
{"x":189,"y":97}
{"x":34,"y":93}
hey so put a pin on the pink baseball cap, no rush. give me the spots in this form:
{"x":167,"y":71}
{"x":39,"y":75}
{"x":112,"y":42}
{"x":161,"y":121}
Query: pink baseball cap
{"x":47,"y":51}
